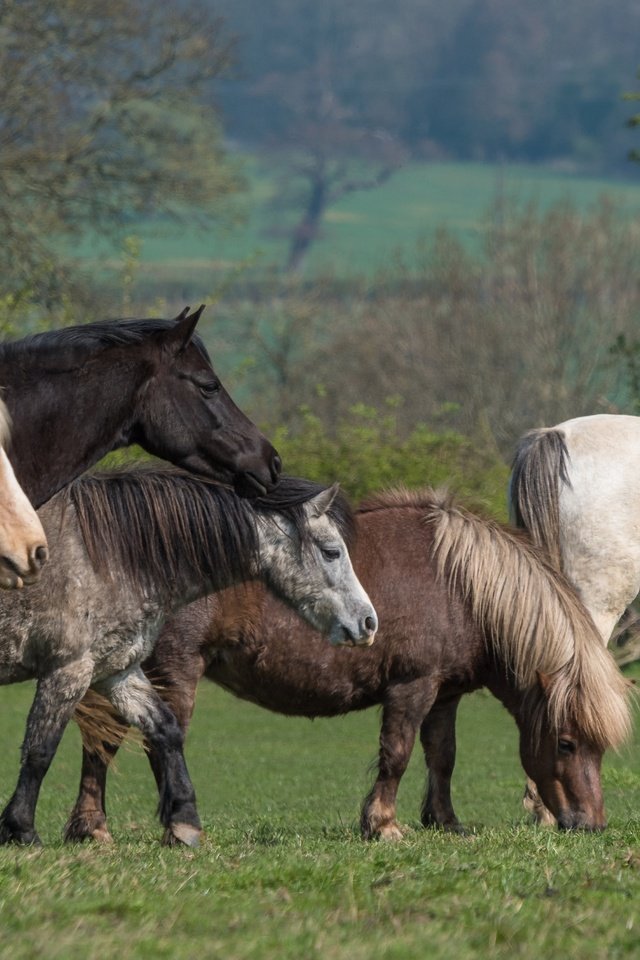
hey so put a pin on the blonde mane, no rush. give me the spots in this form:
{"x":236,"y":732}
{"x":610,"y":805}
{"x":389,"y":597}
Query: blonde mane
{"x":530,"y":614}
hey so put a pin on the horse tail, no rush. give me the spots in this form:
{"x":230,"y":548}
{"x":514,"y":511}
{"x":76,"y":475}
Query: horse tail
{"x":538,"y":469}
{"x":99,"y":724}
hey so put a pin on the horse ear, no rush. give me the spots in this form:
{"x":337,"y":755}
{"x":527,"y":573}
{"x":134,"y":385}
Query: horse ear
{"x":323,"y":500}
{"x":178,"y":338}
{"x":545,"y":681}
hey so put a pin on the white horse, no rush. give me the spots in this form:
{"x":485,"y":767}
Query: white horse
{"x":576,"y":488}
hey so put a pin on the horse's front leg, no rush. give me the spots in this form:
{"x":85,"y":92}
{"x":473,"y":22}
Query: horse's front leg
{"x":135,"y":700}
{"x":55,"y":700}
{"x":438,"y":738}
{"x":532,"y":802}
{"x":178,"y":691}
{"x":403,"y":711}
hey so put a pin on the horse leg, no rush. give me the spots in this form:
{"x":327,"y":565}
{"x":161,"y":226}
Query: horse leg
{"x":179,"y":693}
{"x":134,"y":698}
{"x":403,"y":711}
{"x":438,"y":738}
{"x":55,"y":700}
{"x":532,"y":802}
{"x":88,"y":819}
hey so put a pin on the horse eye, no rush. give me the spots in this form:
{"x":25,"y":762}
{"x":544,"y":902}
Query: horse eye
{"x":209,"y":389}
{"x":330,"y":553}
{"x":566,"y":747}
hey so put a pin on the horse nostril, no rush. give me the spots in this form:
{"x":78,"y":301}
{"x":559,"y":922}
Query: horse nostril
{"x":41,"y":555}
{"x":370,"y":624}
{"x":276,"y":466}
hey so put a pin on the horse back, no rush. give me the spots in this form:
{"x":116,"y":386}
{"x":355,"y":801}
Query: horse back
{"x":250,"y":643}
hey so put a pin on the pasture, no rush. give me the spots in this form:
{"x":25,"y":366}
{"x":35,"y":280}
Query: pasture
{"x":361,"y":233}
{"x":283,"y":874}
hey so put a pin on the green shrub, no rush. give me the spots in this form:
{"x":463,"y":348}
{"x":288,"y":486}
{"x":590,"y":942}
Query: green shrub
{"x":366,"y":452}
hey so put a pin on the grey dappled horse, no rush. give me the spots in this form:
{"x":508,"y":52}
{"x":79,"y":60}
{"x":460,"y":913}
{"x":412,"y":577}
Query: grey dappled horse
{"x":130,"y":549}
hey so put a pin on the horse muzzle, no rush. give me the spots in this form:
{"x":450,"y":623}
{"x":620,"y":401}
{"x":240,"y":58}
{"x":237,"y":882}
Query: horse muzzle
{"x":16,"y":572}
{"x":260,"y":480}
{"x":578,"y":820}
{"x":361,"y":635}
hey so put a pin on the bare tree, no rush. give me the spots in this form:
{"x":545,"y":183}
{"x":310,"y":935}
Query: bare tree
{"x":327,"y":151}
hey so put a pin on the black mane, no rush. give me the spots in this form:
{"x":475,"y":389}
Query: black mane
{"x":91,"y":336}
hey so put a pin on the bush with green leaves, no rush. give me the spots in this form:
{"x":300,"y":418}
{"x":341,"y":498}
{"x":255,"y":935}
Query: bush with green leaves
{"x":367,"y":452}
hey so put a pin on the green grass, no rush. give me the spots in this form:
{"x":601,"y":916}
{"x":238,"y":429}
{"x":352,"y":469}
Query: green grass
{"x":283,"y":874}
{"x":360,"y":233}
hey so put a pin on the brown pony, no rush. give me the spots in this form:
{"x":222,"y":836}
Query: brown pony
{"x":463,"y":603}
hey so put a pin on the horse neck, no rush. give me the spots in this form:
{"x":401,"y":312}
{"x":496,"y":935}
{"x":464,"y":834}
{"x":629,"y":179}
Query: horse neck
{"x":236,"y":614}
{"x":64,"y":422}
{"x":498,"y":679}
{"x":186,"y":588}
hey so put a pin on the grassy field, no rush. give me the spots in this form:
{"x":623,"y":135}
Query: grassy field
{"x":361,"y":233}
{"x":282,"y":873}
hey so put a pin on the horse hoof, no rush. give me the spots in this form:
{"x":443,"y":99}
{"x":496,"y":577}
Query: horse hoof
{"x":101,"y":835}
{"x":181,"y":833}
{"x":533,"y":805}
{"x":388,"y":832}
{"x":87,"y":826}
{"x":22,"y":838}
{"x":457,"y":828}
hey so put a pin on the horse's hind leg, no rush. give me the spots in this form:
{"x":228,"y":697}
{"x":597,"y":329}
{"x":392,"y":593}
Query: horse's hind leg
{"x":403,"y":710}
{"x":55,"y":700}
{"x":88,"y":819}
{"x":134,"y":698}
{"x":438,"y":738}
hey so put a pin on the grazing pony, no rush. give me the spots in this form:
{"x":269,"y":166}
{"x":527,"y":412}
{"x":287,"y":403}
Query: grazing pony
{"x":463,"y":603}
{"x":77,"y":393}
{"x":130,"y":549}
{"x":23,"y":545}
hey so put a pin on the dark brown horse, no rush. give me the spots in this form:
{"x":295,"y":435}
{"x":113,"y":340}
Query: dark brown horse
{"x":463,"y":603}
{"x":76,"y":394}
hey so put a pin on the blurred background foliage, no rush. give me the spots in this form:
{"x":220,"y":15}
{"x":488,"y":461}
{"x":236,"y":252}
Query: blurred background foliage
{"x":416,"y":226}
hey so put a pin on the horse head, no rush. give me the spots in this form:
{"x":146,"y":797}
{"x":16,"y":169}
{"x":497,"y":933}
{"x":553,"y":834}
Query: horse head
{"x":187,"y":417}
{"x":308,"y":566}
{"x":564,"y":762}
